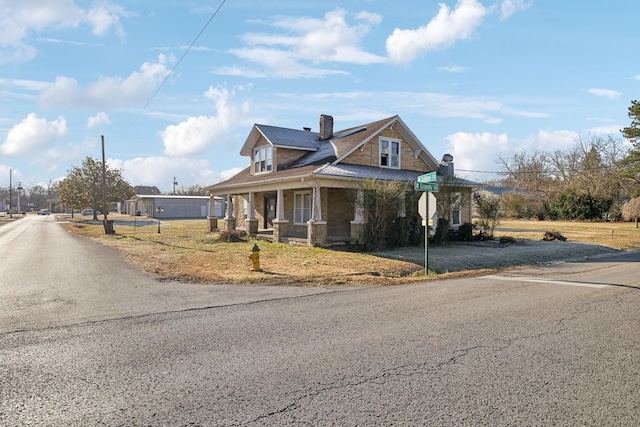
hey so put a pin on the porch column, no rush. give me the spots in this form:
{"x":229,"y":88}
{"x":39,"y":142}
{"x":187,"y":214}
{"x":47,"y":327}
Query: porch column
{"x":229,"y":220}
{"x":316,"y":227}
{"x":252,"y":221}
{"x":280,"y":224}
{"x":358,"y":223}
{"x":212,"y":221}
{"x":280,"y":206}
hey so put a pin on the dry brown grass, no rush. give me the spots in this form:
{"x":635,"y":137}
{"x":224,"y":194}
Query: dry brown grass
{"x":618,"y":235}
{"x":186,"y":251}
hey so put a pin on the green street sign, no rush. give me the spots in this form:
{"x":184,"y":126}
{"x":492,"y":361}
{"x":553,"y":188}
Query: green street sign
{"x":427,"y":177}
{"x":426,"y":186}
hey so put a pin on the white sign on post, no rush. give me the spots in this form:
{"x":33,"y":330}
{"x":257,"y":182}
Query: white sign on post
{"x":426,"y":209}
{"x":422,"y":206}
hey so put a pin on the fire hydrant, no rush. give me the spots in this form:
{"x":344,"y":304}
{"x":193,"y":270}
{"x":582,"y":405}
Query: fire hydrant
{"x":255,"y":258}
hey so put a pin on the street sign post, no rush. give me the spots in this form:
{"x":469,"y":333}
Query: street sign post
{"x":426,"y":209}
{"x":425,"y":186}
{"x":427,"y":177}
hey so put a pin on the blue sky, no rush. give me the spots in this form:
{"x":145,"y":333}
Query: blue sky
{"x":473,"y":78}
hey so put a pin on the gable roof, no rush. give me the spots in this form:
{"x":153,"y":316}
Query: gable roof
{"x":281,"y":137}
{"x":339,"y":146}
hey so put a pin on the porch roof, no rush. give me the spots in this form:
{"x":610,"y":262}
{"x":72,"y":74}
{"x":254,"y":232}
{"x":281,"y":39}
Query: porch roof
{"x":245,"y":181}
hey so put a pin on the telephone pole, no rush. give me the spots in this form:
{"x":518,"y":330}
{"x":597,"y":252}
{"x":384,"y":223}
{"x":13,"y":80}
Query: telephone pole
{"x":10,"y":193}
{"x":19,"y":188}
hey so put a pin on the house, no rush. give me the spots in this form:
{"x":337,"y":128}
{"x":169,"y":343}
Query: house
{"x":300,"y":185}
{"x":174,"y":207}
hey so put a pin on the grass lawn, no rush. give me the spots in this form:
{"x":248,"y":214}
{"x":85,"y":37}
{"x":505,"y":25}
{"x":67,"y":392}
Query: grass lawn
{"x":618,"y":235}
{"x":185,"y":251}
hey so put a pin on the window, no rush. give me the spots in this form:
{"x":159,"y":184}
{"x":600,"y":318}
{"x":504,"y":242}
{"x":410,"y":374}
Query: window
{"x":456,"y":209}
{"x":263,"y":159}
{"x":390,"y":153}
{"x":302,"y":208}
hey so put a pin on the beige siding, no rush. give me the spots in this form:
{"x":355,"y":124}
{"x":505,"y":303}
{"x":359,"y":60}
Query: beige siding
{"x":369,"y":155}
{"x":282,"y":157}
{"x":340,"y":211}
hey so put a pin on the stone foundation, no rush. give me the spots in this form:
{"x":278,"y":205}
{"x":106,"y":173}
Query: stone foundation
{"x":251,"y":226}
{"x":230,"y":224}
{"x":280,"y":230}
{"x":357,"y":232}
{"x":317,"y":233}
{"x":212,"y":223}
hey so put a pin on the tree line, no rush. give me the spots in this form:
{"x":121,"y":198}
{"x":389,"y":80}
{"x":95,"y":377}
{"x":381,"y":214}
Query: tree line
{"x":593,"y":180}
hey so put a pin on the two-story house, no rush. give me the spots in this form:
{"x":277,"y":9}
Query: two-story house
{"x":300,"y":184}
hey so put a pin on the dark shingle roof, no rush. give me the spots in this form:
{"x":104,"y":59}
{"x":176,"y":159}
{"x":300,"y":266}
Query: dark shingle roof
{"x":291,"y":138}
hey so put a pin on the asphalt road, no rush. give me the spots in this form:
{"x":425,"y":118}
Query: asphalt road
{"x":88,"y":339}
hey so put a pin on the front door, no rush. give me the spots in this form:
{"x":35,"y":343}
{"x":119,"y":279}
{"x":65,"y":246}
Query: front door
{"x":269,"y":210}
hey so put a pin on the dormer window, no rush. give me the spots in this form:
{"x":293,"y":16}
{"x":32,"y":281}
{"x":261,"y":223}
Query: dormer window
{"x":389,"y":153}
{"x":263,"y":159}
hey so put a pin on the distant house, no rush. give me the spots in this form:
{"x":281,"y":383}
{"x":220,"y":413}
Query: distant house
{"x":173,"y":207}
{"x":300,"y":185}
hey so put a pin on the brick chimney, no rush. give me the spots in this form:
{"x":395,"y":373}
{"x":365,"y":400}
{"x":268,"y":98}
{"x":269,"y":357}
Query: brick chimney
{"x":326,"y":127}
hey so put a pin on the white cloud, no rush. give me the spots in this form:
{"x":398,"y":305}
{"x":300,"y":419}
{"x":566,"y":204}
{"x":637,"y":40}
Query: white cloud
{"x":32,"y":135}
{"x":30,"y":85}
{"x":448,"y":26}
{"x":274,"y":63}
{"x":99,"y":119}
{"x":226,"y":174}
{"x":452,"y":69}
{"x":197,"y":134}
{"x":55,"y":155}
{"x":21,"y":18}
{"x":476,"y":152}
{"x":159,"y":171}
{"x":107,"y":91}
{"x":509,"y":7}
{"x":550,"y":140}
{"x":605,"y":93}
{"x":308,"y":41}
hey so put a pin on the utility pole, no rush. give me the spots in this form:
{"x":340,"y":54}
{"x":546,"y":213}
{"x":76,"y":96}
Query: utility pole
{"x":104,"y":190}
{"x":174,"y":185}
{"x":10,"y":193}
{"x":19,"y":188}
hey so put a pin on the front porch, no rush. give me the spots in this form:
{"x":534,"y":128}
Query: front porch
{"x":298,"y":216}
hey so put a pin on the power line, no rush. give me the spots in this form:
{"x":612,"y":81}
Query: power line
{"x":184,"y":54}
{"x":553,"y":171}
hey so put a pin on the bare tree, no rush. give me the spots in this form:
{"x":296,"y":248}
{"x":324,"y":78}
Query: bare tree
{"x":530,"y":171}
{"x":489,"y":210}
{"x":631,"y":210}
{"x":382,"y":202}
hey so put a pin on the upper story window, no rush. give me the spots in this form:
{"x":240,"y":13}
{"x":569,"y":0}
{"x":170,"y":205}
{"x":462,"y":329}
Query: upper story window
{"x":263,"y":159}
{"x":389,"y":153}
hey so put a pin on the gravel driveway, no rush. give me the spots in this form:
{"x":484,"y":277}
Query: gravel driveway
{"x":460,"y":256}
